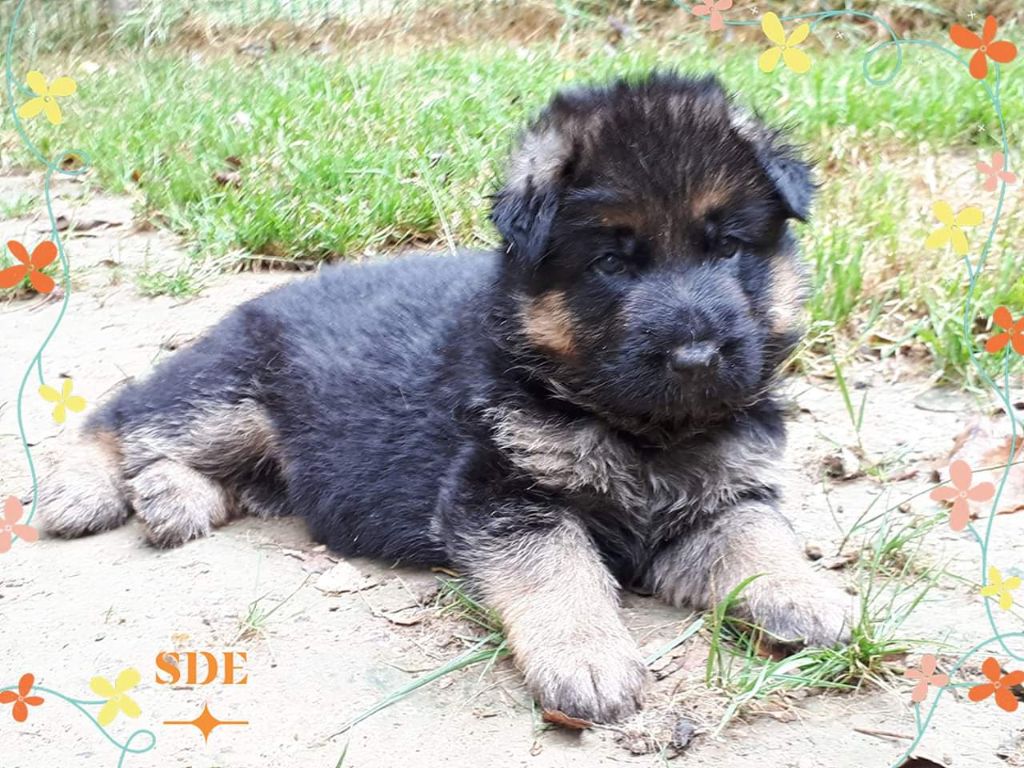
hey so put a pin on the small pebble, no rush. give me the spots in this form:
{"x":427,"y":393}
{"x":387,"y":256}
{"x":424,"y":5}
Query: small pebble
{"x":683,"y":733}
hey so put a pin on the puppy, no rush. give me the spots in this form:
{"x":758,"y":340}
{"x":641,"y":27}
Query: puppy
{"x":587,"y":408}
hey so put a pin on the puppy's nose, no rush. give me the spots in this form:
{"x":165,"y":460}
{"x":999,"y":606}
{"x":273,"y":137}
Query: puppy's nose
{"x":695,"y":357}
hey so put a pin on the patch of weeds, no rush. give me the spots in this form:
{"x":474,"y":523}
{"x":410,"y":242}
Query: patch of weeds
{"x":453,"y":599}
{"x":891,"y":585}
{"x":257,"y":616}
{"x":177,"y":284}
{"x":22,"y":205}
{"x":856,"y":414}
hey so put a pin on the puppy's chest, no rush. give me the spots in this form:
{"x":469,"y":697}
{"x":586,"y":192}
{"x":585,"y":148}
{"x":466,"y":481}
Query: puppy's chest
{"x":653,"y":494}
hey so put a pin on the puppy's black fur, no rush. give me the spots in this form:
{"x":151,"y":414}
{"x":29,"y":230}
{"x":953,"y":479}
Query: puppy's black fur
{"x":590,"y":404}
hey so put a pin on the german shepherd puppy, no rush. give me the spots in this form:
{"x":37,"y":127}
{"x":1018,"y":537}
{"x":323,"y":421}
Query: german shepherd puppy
{"x":588,"y":407}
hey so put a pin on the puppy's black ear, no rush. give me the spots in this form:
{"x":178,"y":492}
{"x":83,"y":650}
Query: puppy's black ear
{"x":523,"y":217}
{"x":791,"y":176}
{"x":525,"y":207}
{"x":780,"y":161}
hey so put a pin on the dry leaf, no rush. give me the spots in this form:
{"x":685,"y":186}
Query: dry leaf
{"x":559,"y":718}
{"x":836,"y":562}
{"x":228,"y":178}
{"x":986,"y":443}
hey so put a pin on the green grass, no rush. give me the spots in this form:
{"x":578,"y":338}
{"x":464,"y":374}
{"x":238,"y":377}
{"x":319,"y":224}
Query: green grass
{"x":377,"y":149}
{"x":22,"y":205}
{"x":178,"y":284}
{"x":258,"y":615}
{"x":455,"y":600}
{"x":892,"y":581}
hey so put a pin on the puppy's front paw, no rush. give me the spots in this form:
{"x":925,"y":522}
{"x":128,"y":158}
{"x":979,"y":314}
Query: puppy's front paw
{"x":598,"y":682}
{"x":807,"y":611}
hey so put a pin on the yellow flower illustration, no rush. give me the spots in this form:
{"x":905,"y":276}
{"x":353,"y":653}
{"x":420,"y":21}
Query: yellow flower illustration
{"x":46,"y":96}
{"x":116,"y":695}
{"x":999,"y":587}
{"x":951,"y":230}
{"x":785,"y":47}
{"x":64,"y":400}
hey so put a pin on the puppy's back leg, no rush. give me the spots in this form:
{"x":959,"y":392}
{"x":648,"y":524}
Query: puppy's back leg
{"x":190,"y":472}
{"x":86,"y":493}
{"x":177,"y":503}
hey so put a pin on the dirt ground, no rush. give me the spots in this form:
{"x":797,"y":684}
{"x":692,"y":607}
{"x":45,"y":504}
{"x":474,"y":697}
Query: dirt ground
{"x":72,"y":610}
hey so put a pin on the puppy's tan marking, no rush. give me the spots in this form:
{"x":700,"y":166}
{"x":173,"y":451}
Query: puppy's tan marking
{"x":786,"y":295}
{"x":539,"y":160}
{"x":548,"y":323}
{"x":707,"y":200}
{"x":218,"y":440}
{"x":559,"y":607}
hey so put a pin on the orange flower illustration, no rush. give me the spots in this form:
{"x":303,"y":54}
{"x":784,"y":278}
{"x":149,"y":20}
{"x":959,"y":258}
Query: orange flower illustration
{"x":10,"y":527}
{"x":962,"y":492}
{"x":30,"y":266}
{"x":999,"y":685}
{"x":1013,"y":332}
{"x":713,"y":8}
{"x":21,"y":700}
{"x":996,"y":172}
{"x":985,"y":47}
{"x":926,"y":677}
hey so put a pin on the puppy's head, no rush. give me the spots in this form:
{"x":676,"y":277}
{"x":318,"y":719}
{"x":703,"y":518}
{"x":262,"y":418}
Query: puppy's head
{"x":647,"y":252}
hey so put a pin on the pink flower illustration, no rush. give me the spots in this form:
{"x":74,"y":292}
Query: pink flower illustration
{"x":926,"y":677}
{"x":962,"y":491}
{"x":995,"y":172}
{"x":10,"y":527}
{"x":713,"y":8}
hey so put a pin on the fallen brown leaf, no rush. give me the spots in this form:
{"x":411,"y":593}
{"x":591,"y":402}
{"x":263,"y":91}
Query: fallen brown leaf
{"x":986,"y":443}
{"x":840,"y":561}
{"x":559,"y":718}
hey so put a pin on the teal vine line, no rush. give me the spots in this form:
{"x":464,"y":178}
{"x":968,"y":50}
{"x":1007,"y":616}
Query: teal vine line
{"x":81,"y":704}
{"x":52,"y":166}
{"x":56,"y":165}
{"x":973,"y":271}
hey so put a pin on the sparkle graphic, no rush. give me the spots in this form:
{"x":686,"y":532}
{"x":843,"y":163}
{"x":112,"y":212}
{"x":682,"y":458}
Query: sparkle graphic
{"x":206,"y":722}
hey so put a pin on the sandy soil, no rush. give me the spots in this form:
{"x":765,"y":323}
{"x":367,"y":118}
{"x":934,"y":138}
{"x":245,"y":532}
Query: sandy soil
{"x":72,"y":610}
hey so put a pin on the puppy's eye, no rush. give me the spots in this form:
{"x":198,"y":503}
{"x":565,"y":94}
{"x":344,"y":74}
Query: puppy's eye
{"x":609,"y":264}
{"x":729,"y":247}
